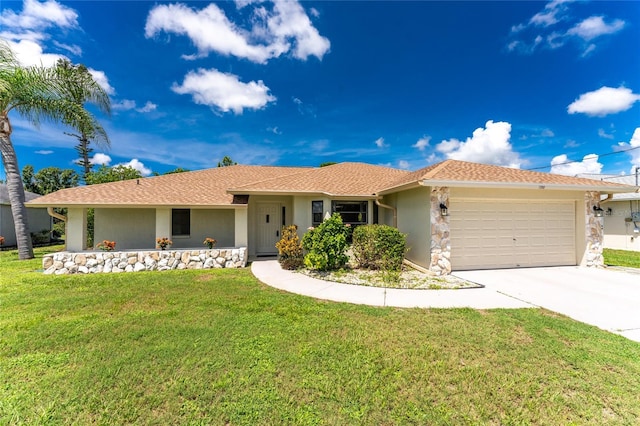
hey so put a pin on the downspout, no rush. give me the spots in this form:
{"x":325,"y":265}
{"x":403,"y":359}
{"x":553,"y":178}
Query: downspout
{"x":395,"y":211}
{"x":606,"y":200}
{"x":56,"y":215}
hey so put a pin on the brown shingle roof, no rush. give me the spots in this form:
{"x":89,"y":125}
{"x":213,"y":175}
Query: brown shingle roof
{"x":199,"y":188}
{"x":217,"y":186}
{"x":342,"y":179}
{"x":462,"y":172}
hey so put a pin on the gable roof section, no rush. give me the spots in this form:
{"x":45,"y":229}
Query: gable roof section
{"x":462,"y":173}
{"x":193,"y":189}
{"x":339,"y":180}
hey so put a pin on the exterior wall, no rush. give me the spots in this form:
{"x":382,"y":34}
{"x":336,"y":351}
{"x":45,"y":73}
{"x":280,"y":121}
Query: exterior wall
{"x":533,"y":194}
{"x":130,"y":228}
{"x":618,"y":232}
{"x":385,"y":216}
{"x":38,"y":219}
{"x":413,"y":219}
{"x":218,"y":224}
{"x":138,"y":261}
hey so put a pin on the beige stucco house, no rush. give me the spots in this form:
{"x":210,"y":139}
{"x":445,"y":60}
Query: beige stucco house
{"x":38,"y":219}
{"x":621,"y":214}
{"x":457,"y":215}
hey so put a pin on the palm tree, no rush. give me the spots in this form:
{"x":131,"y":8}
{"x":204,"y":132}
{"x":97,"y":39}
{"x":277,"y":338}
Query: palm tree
{"x":37,"y":93}
{"x":79,"y":92}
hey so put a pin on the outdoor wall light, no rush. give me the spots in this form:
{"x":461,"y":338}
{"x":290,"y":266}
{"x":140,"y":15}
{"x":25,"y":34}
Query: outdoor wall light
{"x":609,"y":212}
{"x":444,"y":211}
{"x":597,"y":211}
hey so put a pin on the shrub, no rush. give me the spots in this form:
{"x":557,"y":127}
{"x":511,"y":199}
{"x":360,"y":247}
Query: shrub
{"x":290,"y":248}
{"x":379,"y":247}
{"x":42,"y":237}
{"x":326,"y":245}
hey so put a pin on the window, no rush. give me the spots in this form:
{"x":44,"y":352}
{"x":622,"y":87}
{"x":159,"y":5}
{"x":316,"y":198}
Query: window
{"x":352,"y":212}
{"x":181,"y":222}
{"x":317,"y":208}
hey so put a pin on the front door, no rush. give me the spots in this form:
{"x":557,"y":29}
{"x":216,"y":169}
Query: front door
{"x":268,"y":228}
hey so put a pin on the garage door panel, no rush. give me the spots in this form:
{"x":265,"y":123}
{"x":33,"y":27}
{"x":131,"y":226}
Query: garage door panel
{"x":513,"y":233}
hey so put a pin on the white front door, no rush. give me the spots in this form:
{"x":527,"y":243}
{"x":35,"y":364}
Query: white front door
{"x":269,"y":223}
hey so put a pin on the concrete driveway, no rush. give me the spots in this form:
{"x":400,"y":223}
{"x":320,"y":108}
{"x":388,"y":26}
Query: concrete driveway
{"x":609,"y":299}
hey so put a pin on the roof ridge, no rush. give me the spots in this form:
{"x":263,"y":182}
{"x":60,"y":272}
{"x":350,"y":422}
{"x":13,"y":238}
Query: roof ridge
{"x":431,"y":173}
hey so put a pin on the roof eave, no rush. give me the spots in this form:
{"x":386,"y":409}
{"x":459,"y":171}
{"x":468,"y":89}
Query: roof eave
{"x":527,"y":185}
{"x":298,"y":193}
{"x":138,"y":206}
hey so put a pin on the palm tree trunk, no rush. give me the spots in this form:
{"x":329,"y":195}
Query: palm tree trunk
{"x":15,"y":189}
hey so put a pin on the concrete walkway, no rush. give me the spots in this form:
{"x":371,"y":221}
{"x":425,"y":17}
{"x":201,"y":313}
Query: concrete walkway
{"x":270,"y":273}
{"x":608,"y":299}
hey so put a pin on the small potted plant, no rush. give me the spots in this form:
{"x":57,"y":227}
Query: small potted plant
{"x":106,"y":245}
{"x":163,"y":242}
{"x":210,"y":242}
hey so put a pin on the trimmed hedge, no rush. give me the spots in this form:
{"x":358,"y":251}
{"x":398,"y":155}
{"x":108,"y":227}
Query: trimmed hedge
{"x":379,"y":247}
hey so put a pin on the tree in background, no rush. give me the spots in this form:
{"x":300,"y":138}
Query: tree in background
{"x":48,"y":180}
{"x":37,"y":93}
{"x":171,"y":172}
{"x":107,"y":174}
{"x":226,"y":161}
{"x":91,"y":131}
{"x":327,"y":163}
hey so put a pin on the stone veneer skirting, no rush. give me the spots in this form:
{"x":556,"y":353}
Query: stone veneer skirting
{"x":143,"y":260}
{"x":594,"y":231}
{"x":440,"y":248}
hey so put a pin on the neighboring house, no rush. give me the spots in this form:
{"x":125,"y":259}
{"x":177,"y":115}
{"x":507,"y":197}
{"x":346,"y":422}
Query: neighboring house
{"x":621,"y":214}
{"x":496,"y":217}
{"x":38,"y":218}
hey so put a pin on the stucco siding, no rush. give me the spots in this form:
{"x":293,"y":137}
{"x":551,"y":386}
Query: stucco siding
{"x":129,"y":228}
{"x":618,"y":233}
{"x":218,"y":224}
{"x":38,"y":219}
{"x":414,"y":220}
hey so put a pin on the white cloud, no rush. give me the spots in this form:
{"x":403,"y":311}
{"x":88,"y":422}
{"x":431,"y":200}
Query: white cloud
{"x":605,"y":100}
{"x":138,"y":165}
{"x":422,"y":143}
{"x":224,"y":91}
{"x":594,"y":27}
{"x":100,"y":159}
{"x":603,"y":134}
{"x":148,"y":107}
{"x":403,"y":164}
{"x":274,"y":130}
{"x":547,"y":133}
{"x":123,"y":105}
{"x":554,"y":26}
{"x":635,"y":153}
{"x":589,"y":164}
{"x":44,"y":152}
{"x":30,"y":53}
{"x":380,"y":143}
{"x":128,"y":104}
{"x":314,"y":12}
{"x":489,"y":145}
{"x":39,"y":16}
{"x":74,"y":49}
{"x":101,"y":78}
{"x":285,"y":28}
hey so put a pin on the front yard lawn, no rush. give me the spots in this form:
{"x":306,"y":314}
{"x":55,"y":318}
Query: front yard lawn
{"x":218,"y":347}
{"x":626,"y":258}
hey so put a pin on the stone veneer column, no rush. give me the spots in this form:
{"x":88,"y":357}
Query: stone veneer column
{"x":594,"y":231}
{"x":440,"y":240}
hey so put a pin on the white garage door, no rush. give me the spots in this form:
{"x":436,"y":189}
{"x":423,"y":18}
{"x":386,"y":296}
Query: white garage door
{"x":511,"y":233}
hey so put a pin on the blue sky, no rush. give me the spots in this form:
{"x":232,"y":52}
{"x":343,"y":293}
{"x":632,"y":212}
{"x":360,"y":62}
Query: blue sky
{"x":402,"y":84}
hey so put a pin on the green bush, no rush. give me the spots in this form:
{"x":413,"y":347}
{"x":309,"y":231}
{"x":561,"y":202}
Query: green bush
{"x":379,"y":247}
{"x":326,"y":245}
{"x":290,"y":248}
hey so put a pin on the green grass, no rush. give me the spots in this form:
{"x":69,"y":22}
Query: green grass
{"x":626,"y":258}
{"x":218,"y":347}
